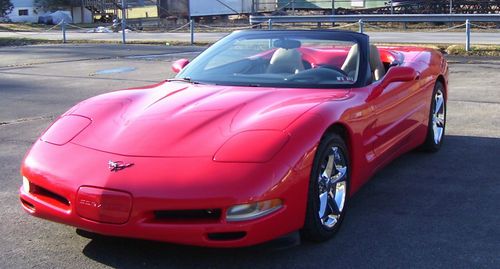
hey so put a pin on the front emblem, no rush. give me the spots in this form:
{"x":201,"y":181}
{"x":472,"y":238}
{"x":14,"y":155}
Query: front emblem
{"x":117,"y":166}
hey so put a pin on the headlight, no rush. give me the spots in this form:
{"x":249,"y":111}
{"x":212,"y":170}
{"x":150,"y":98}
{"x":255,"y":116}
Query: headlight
{"x":65,"y":129}
{"x":26,"y":185}
{"x":257,"y":146}
{"x":253,"y":210}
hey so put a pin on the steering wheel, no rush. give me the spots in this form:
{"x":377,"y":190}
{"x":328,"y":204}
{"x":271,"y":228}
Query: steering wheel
{"x":315,"y":75}
{"x":333,"y":67}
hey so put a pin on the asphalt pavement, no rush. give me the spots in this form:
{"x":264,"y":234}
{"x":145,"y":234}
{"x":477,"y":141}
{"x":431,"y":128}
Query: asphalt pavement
{"x":422,"y":211}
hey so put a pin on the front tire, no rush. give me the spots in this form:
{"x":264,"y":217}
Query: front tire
{"x":328,"y":189}
{"x":437,"y":120}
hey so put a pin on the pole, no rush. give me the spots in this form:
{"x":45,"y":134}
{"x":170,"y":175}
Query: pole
{"x":467,"y":35}
{"x":293,"y":7}
{"x":451,"y":6}
{"x":124,"y":22}
{"x":191,"y":29}
{"x":82,"y":11}
{"x":392,"y":7}
{"x":270,"y":27}
{"x":63,"y":29}
{"x":361,"y":24}
{"x":333,"y":12}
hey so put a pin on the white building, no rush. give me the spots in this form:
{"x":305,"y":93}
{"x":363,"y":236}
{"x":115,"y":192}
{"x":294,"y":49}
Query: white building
{"x":25,"y":11}
{"x":81,"y":17}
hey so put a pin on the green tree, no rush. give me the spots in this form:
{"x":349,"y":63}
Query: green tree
{"x":5,"y":7}
{"x":51,"y":5}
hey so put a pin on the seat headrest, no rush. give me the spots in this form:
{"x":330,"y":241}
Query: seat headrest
{"x":286,"y":61}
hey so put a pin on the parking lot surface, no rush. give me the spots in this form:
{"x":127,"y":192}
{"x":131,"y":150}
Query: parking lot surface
{"x":422,"y":211}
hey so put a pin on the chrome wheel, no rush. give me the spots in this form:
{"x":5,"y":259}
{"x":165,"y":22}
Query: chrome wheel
{"x":438,"y":116}
{"x":332,"y":187}
{"x":437,"y":119}
{"x":328,"y":193}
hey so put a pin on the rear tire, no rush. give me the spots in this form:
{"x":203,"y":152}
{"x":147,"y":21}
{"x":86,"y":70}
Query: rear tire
{"x":328,"y":190}
{"x":437,"y":120}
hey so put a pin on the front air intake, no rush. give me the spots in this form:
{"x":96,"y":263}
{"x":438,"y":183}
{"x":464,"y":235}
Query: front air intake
{"x":226,"y":236}
{"x":49,"y":196}
{"x":193,"y":215}
{"x":29,"y":206}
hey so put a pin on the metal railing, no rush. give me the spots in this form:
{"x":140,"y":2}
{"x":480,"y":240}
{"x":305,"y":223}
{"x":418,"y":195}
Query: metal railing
{"x":381,"y":6}
{"x":361,"y":19}
{"x":380,"y":18}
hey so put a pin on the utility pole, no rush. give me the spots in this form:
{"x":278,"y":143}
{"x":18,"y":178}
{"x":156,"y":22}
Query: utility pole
{"x":451,"y":6}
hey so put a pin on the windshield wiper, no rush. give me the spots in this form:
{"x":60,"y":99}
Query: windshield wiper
{"x":186,"y":79}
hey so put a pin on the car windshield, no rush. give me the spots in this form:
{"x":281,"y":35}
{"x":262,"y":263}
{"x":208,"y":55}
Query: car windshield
{"x":278,"y":59}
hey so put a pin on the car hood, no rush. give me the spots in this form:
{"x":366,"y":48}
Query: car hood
{"x":176,"y":119}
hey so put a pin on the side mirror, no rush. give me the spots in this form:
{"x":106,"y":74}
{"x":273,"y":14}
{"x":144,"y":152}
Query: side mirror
{"x":178,"y":65}
{"x":395,"y":74}
{"x":399,"y":74}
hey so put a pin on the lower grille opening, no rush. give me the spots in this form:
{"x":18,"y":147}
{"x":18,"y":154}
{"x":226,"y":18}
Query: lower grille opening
{"x":226,"y":236}
{"x":48,"y":196}
{"x":194,"y":215}
{"x":28,"y":205}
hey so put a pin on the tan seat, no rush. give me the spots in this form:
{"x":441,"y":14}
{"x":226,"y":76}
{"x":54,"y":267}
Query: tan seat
{"x":376,"y":65}
{"x":285,"y":61}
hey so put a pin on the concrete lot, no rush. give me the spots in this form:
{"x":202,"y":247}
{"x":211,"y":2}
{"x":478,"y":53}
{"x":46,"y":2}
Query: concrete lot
{"x":422,"y":211}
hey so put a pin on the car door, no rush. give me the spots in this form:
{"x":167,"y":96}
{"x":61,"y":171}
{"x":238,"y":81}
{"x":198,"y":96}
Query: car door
{"x":396,"y":112}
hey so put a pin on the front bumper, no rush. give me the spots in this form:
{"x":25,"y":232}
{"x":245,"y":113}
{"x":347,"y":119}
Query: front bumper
{"x":155,"y":184}
{"x":214,"y":234}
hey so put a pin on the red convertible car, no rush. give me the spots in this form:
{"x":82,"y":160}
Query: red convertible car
{"x":263,"y":134}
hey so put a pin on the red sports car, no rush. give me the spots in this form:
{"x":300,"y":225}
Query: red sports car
{"x":263,"y":134}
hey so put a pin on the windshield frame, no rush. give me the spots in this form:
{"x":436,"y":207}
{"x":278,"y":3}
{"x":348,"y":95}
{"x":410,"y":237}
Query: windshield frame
{"x":334,"y":35}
